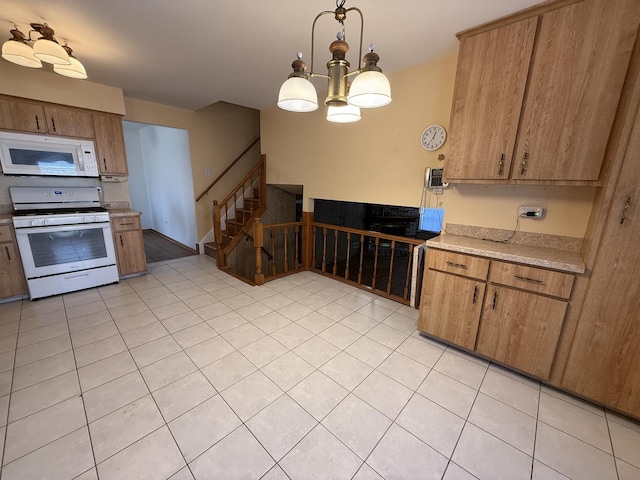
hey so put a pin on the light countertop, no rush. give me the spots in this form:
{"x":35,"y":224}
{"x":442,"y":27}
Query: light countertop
{"x":545,"y":257}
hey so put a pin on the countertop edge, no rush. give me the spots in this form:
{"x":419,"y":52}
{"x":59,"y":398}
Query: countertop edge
{"x":538,"y":258}
{"x":125,"y":212}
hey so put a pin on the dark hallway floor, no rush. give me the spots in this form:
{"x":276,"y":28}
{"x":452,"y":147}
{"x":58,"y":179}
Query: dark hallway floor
{"x":158,"y":248}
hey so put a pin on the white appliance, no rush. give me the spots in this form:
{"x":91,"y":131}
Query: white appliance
{"x":27,"y":154}
{"x":64,"y":238}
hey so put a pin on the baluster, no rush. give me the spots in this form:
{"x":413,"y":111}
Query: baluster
{"x":324,"y":249}
{"x":296,"y":265}
{"x":393,"y":249}
{"x":346,"y":268}
{"x":313,"y":246}
{"x":258,"y":242}
{"x":361,"y":259}
{"x":286,"y":260}
{"x":375,"y":265}
{"x":336,"y":236}
{"x":274,"y":268}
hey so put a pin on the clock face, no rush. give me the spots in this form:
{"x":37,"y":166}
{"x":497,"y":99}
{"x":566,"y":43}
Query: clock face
{"x":433,"y":137}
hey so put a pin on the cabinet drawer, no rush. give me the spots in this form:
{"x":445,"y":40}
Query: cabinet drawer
{"x":458,"y":263}
{"x":122,"y":224}
{"x":534,"y":279}
{"x":5,"y":233}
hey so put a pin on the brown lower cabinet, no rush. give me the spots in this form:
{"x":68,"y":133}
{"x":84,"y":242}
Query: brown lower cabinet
{"x":127,"y":237}
{"x":12,"y":280}
{"x":510,"y":313}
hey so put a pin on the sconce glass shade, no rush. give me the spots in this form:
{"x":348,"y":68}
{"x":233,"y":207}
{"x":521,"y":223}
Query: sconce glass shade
{"x":370,"y":89}
{"x":74,"y":70}
{"x":297,"y":94}
{"x":20,"y":54}
{"x":346,"y":114}
{"x":50,"y":52}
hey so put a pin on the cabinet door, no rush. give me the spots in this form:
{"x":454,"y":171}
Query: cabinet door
{"x":69,"y":122}
{"x":112,"y":158}
{"x":490,"y":84}
{"x":604,"y":361}
{"x":450,"y":308}
{"x":521,"y":329}
{"x":579,"y":66}
{"x":11,"y":275}
{"x":22,"y":116}
{"x":130,"y":252}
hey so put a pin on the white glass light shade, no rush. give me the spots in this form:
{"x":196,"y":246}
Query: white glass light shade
{"x":50,"y":52}
{"x":20,"y":54}
{"x":74,"y":70}
{"x":346,"y":114}
{"x":370,"y":90}
{"x":298,"y":94}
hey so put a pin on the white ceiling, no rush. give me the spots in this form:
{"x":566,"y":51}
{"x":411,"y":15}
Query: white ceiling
{"x":192,"y":53}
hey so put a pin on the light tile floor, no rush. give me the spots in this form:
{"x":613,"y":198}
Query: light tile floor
{"x":187,"y":373}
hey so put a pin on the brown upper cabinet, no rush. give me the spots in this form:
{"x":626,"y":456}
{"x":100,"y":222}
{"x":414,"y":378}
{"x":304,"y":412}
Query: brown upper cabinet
{"x":110,"y":150}
{"x":31,"y":116}
{"x":536,"y":93}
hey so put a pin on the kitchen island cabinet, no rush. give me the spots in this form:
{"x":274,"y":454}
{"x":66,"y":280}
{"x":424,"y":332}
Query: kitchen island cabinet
{"x":540,"y":111}
{"x":129,"y":244}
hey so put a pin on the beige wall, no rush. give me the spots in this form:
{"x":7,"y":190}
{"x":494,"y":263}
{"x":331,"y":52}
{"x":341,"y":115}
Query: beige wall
{"x":44,"y":85}
{"x":380,"y":160}
{"x":217,"y":135}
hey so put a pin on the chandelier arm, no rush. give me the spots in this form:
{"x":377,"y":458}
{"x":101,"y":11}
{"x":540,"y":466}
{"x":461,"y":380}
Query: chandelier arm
{"x":313,"y":34}
{"x":361,"y":34}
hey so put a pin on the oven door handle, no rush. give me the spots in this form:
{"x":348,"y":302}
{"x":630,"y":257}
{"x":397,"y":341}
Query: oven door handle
{"x":63,"y":228}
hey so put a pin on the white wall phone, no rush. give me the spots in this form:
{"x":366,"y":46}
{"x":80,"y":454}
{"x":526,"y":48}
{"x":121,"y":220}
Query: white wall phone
{"x":433,"y":178}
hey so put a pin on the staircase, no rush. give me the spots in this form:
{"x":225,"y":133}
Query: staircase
{"x":233,"y":217}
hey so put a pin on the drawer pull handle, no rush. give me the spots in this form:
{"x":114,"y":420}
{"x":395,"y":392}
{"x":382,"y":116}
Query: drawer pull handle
{"x":530,"y":280}
{"x":53,"y":123}
{"x":121,"y":242}
{"x":457,"y":265}
{"x":104,"y":162}
{"x":501,"y":168}
{"x":495,"y":300}
{"x":525,"y":157}
{"x":475,"y":294}
{"x":126,"y":224}
{"x":37,"y":123}
{"x":8,"y":254}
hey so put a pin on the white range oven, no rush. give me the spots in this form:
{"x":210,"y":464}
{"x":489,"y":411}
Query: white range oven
{"x":64,"y":239}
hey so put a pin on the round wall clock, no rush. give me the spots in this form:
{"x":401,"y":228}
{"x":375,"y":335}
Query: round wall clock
{"x":433,"y":137}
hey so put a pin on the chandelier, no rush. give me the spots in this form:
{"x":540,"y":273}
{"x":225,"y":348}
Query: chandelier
{"x":369,"y":89}
{"x":45,"y":49}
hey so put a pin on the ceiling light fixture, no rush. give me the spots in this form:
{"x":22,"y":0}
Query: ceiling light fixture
{"x":370,"y":89}
{"x":45,"y":49}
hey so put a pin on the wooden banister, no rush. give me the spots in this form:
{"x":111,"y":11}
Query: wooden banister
{"x":246,"y":178}
{"x":211,"y":185}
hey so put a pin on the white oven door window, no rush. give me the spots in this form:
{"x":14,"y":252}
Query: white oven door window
{"x":61,"y":249}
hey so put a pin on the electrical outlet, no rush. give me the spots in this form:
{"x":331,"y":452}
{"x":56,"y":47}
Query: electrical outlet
{"x":532,"y":212}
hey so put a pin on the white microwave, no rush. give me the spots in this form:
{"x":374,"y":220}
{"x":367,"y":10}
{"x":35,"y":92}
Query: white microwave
{"x":26,"y":154}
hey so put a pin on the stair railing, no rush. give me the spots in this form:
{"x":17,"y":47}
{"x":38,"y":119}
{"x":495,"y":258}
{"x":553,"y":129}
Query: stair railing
{"x":237,"y":202}
{"x":217,"y":179}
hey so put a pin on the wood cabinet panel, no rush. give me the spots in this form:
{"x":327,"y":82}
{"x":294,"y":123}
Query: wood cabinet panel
{"x":12,"y":281}
{"x":604,"y":360}
{"x":490,"y":84}
{"x":20,"y":115}
{"x":130,"y":252}
{"x":578,"y":70}
{"x":112,"y":158}
{"x":450,"y":308}
{"x":521,"y":329}
{"x":121,"y":224}
{"x":458,"y":263}
{"x":69,"y":122}
{"x":557,"y":284}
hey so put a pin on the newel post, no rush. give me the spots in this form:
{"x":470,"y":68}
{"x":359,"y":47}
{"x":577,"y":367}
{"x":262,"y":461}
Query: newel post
{"x":258,"y":242}
{"x":307,"y":240}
